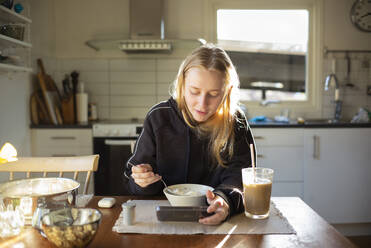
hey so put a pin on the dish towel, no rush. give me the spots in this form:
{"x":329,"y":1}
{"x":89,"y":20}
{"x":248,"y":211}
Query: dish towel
{"x":145,"y":221}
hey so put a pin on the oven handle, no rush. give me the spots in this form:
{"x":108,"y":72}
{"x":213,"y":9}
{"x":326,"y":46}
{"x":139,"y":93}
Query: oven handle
{"x":112,"y":142}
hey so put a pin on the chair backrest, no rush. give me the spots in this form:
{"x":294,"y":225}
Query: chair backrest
{"x":76,"y":164}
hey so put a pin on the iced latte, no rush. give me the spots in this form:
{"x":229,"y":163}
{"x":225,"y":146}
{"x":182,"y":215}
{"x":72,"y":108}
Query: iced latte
{"x":257,"y":188}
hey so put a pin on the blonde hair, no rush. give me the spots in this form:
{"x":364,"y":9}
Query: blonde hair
{"x":219,"y":127}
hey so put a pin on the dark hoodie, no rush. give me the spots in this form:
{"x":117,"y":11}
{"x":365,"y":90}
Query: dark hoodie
{"x":179,"y":155}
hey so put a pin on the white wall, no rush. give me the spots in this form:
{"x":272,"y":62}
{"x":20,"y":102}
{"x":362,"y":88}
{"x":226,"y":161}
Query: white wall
{"x":14,"y":114}
{"x":339,"y":32}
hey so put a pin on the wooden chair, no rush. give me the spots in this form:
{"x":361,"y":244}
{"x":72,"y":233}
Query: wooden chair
{"x":62,"y":165}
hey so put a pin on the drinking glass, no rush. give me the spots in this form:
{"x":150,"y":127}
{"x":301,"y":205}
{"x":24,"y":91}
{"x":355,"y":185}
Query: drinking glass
{"x":257,"y":188}
{"x":11,"y":220}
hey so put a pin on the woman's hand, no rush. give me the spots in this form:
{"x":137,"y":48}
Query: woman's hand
{"x":143,"y":175}
{"x":217,"y":205}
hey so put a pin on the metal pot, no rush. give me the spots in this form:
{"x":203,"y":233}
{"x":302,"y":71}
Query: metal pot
{"x":32,"y":194}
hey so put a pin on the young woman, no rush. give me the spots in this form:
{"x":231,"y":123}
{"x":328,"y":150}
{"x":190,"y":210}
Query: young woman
{"x":198,"y":136}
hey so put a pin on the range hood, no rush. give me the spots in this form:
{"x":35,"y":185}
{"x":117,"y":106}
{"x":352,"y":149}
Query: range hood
{"x":147,"y":31}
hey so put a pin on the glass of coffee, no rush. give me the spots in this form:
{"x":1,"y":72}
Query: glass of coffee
{"x":257,"y":188}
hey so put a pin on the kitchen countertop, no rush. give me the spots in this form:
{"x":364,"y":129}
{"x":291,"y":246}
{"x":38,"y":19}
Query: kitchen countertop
{"x":252,"y":124}
{"x":310,"y":125}
{"x":90,"y":124}
{"x":48,"y":126}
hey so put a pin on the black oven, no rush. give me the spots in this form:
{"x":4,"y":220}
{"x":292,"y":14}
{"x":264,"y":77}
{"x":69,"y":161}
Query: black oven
{"x":114,"y":151}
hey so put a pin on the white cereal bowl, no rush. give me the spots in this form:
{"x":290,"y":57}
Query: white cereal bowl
{"x":187,"y":194}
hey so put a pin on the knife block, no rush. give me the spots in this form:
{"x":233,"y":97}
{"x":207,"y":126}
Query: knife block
{"x":68,"y":110}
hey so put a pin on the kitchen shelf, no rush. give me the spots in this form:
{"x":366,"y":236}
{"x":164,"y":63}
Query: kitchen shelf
{"x":8,"y":41}
{"x":8,"y":67}
{"x":8,"y":15}
{"x":14,"y":47}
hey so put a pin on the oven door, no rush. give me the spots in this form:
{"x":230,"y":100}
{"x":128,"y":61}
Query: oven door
{"x":114,"y":152}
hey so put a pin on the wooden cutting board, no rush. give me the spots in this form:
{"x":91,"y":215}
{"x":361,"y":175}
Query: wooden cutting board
{"x":51,"y":94}
{"x":34,"y":110}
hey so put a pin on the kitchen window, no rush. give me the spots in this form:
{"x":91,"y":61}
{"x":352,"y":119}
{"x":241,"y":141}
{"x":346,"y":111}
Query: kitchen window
{"x":274,"y":46}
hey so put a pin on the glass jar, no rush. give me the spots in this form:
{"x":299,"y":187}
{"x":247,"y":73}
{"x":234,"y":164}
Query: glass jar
{"x":11,"y":220}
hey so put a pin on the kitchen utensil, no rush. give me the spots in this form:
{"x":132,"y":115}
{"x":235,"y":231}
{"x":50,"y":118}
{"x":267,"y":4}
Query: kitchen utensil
{"x":26,"y":193}
{"x":48,"y":99}
{"x":41,"y":109}
{"x":49,"y":80}
{"x":33,"y":109}
{"x":44,"y":207}
{"x":50,"y":93}
{"x":58,"y":114}
{"x":75,"y":227}
{"x":66,"y":86}
{"x":347,"y":76}
{"x":75,"y":78}
{"x":68,"y":110}
{"x":162,"y":180}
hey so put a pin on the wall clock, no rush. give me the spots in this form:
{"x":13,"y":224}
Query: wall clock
{"x":360,"y":15}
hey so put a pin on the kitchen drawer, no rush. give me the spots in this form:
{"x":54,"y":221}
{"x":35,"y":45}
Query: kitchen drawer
{"x":61,"y":151}
{"x":288,"y":189}
{"x":286,"y":161}
{"x":61,"y":137}
{"x":278,"y":136}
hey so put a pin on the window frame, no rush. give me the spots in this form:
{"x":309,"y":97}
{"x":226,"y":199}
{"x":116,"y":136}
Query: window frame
{"x":314,"y":52}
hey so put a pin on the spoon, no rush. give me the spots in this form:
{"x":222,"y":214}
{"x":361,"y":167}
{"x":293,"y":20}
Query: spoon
{"x":162,"y":180}
{"x":168,"y":189}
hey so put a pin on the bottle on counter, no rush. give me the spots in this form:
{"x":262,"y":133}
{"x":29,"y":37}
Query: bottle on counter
{"x":81,"y":104}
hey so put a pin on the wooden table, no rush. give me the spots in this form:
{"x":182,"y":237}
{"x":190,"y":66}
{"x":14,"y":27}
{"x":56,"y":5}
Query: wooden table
{"x":312,"y":231}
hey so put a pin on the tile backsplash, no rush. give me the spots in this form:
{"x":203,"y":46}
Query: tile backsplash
{"x":122,"y":88}
{"x":127,"y":88}
{"x":353,"y":89}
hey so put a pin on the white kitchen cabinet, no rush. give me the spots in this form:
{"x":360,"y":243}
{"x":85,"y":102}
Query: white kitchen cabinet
{"x":63,"y":142}
{"x":337,"y":173}
{"x":14,"y":47}
{"x":282,"y":149}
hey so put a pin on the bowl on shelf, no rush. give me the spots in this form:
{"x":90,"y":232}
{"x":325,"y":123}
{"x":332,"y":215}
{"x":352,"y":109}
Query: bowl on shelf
{"x":71,"y":227}
{"x":15,"y":31}
{"x":7,"y":3}
{"x":187,"y":194}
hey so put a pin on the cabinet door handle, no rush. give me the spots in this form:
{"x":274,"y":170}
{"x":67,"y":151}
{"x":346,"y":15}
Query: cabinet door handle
{"x":63,"y":137}
{"x":63,"y":155}
{"x":316,"y":147}
{"x":259,"y":137}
